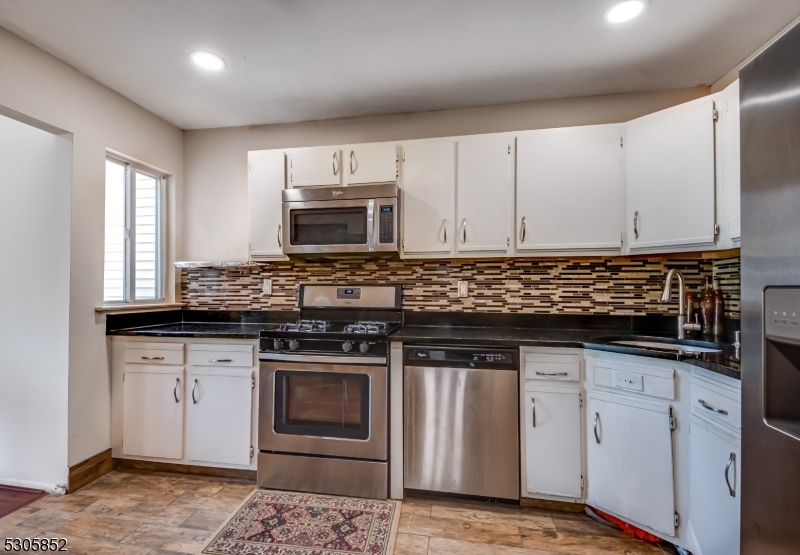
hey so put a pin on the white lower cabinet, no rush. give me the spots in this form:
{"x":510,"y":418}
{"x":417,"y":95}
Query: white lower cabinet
{"x":553,"y":441}
{"x":715,"y":497}
{"x":152,"y":419}
{"x":219,"y":413}
{"x":629,"y":458}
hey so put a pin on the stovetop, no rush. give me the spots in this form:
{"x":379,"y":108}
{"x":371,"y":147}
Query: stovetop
{"x":322,"y":337}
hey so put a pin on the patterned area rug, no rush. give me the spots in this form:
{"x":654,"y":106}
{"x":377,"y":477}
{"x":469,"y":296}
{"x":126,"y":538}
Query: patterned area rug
{"x":282,"y":523}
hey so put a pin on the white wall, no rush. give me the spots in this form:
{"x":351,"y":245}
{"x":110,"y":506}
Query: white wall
{"x":40,"y":86}
{"x":35,"y":179}
{"x":215,"y":201}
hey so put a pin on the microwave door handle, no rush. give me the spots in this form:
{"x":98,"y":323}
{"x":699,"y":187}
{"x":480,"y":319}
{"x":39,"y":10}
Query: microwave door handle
{"x":371,"y":224}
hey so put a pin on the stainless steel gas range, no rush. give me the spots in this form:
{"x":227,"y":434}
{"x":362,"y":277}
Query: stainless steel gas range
{"x":324,"y":393}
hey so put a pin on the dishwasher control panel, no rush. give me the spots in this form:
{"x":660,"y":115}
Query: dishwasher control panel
{"x":466,"y":357}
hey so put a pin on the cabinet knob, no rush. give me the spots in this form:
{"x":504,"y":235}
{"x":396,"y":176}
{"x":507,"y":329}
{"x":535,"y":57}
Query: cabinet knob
{"x":636,"y":225}
{"x":522,"y":231}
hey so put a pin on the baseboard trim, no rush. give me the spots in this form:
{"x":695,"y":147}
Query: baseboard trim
{"x":86,"y":472}
{"x":550,"y":505}
{"x":176,"y":468}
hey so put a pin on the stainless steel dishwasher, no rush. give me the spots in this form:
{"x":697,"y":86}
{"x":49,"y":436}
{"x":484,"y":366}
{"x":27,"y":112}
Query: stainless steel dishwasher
{"x":461,"y":412}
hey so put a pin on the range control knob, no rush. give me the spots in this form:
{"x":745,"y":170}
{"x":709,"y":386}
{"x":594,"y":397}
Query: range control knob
{"x":347,"y":346}
{"x":294,"y":344}
{"x":364,"y":347}
{"x":277,"y":344}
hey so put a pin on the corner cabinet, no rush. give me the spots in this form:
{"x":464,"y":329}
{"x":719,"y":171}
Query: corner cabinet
{"x":484,"y":193}
{"x":266,"y":176}
{"x":671,"y":186}
{"x":570,"y":190}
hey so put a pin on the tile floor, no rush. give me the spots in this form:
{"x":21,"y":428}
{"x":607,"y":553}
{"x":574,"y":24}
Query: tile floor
{"x":132,"y":513}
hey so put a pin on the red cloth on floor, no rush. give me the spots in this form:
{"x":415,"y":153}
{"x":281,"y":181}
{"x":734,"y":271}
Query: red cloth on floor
{"x":628,"y":528}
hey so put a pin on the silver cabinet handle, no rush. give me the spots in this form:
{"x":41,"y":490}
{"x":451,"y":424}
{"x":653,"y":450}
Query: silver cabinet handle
{"x":194,"y":399}
{"x":280,"y":229}
{"x":464,"y":230}
{"x":175,"y":391}
{"x":220,"y":360}
{"x":636,"y":224}
{"x":444,"y":225}
{"x":522,"y":231}
{"x":353,"y":168}
{"x":731,"y":462}
{"x":152,"y":358}
{"x":533,"y":411}
{"x":596,"y":419}
{"x":712,"y":409}
{"x":552,"y":374}
{"x":335,"y":164}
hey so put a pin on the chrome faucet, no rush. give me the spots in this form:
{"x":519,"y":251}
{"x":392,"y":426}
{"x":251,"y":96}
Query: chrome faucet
{"x":666,"y":296}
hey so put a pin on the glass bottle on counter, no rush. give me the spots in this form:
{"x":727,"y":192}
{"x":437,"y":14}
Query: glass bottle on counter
{"x":719,"y":314}
{"x":707,"y":307}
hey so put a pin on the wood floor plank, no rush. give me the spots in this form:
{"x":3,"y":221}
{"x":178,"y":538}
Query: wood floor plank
{"x":447,"y":546}
{"x":494,"y":515}
{"x":586,"y":545}
{"x":409,"y":544}
{"x":419,"y":507}
{"x":495,"y":534}
{"x":167,"y":538}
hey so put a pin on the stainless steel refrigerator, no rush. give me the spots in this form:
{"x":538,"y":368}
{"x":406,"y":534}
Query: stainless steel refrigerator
{"x":770,"y":135}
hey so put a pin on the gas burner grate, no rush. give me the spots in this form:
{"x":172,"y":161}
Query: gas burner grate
{"x":366,"y":327}
{"x":306,"y":326}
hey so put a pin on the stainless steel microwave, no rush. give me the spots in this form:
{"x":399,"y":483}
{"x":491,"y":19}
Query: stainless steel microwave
{"x":347,"y":221}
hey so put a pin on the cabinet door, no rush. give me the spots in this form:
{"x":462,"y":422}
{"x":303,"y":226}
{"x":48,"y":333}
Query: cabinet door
{"x":629,"y":459}
{"x":570,"y":189}
{"x":731,"y":161}
{"x":670,"y":178}
{"x":428,"y":185}
{"x":553,"y":443}
{"x":152,"y":413}
{"x":266,"y":177}
{"x":715,"y":493}
{"x":371,"y":163}
{"x":314,"y":166}
{"x":483,"y":195}
{"x":219,"y":416}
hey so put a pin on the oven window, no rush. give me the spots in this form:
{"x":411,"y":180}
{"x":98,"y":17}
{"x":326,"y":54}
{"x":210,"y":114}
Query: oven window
{"x":329,"y":226}
{"x":323,"y":404}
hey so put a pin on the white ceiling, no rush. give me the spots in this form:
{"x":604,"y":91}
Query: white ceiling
{"x":298,"y":60}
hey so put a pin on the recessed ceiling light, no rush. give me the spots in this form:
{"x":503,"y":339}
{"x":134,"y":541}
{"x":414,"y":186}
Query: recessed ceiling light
{"x":207,"y":60}
{"x":625,"y":10}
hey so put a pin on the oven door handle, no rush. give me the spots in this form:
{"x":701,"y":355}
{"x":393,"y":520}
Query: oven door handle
{"x":320,"y":359}
{"x":371,"y":224}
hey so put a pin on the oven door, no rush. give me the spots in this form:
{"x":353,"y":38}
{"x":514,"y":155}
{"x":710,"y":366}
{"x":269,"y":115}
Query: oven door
{"x":319,"y":408}
{"x":351,"y":226}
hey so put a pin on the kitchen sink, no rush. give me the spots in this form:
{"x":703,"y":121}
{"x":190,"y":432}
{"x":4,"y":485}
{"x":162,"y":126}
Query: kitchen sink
{"x":666,"y":345}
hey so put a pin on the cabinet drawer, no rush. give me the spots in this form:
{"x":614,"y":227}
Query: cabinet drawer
{"x":552,"y":367}
{"x":716,"y":403}
{"x":656,"y":381}
{"x":154,"y":353}
{"x":221,"y":355}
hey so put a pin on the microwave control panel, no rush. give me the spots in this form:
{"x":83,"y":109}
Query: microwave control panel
{"x":386,"y":219}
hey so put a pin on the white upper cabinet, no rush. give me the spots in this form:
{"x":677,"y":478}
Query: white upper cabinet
{"x":484,"y":188}
{"x":315,"y":166}
{"x":570,"y":190}
{"x":265,"y":180}
{"x":370,"y":163}
{"x":629,"y":457}
{"x":731,"y":165}
{"x":670,"y":178}
{"x":427,"y":183}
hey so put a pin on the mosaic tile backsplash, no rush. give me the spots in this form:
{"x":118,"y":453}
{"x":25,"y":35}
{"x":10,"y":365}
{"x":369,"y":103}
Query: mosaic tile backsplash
{"x":620,"y":286}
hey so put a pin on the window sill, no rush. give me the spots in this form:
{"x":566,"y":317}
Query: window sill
{"x":137,"y":307}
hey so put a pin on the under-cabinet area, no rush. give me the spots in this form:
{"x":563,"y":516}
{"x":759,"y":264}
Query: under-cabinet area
{"x":184,"y":402}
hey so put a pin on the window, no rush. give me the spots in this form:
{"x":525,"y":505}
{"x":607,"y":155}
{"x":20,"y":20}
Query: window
{"x":134,"y":238}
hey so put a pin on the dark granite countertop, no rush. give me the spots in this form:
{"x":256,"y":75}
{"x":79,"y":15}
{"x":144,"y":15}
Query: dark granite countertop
{"x":566,"y":331}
